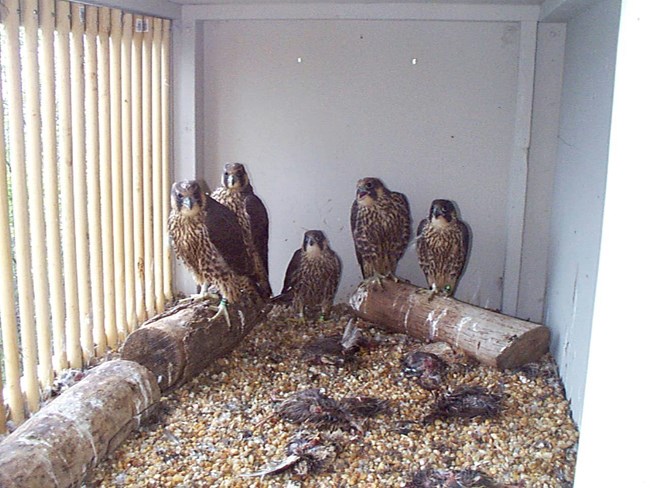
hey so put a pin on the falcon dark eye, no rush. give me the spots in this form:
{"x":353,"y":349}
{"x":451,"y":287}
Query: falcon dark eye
{"x":369,"y":185}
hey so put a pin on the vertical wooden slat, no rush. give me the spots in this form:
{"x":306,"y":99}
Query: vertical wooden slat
{"x":63,"y":88}
{"x":3,"y":411}
{"x":138,"y":210}
{"x":156,"y":138}
{"x":92,"y":175}
{"x":51,"y":185}
{"x":127,"y":171}
{"x":34,"y":161}
{"x":20,"y":208}
{"x":147,"y":162}
{"x":116,"y":172}
{"x":105,"y":174}
{"x":166,"y":147}
{"x":8,"y":323}
{"x":79,"y":172}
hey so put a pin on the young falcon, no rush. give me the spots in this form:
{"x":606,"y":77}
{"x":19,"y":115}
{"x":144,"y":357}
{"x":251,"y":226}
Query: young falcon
{"x":381,"y":228}
{"x":207,"y":238}
{"x":441,"y":244}
{"x":313,"y":275}
{"x":237,"y":194}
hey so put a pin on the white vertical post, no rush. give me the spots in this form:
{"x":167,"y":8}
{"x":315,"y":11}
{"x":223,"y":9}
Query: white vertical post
{"x":147,"y":161}
{"x":127,"y":171}
{"x":8,"y":323}
{"x":166,"y":148}
{"x":138,"y":157}
{"x":51,"y":186}
{"x":518,"y":174}
{"x":80,"y":181}
{"x":22,"y":253}
{"x":115,"y":93}
{"x":92,"y":170}
{"x":105,"y":175}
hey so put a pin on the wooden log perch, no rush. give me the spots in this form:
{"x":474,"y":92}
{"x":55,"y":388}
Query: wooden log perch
{"x":61,"y":443}
{"x":492,"y":338}
{"x":181,"y":342}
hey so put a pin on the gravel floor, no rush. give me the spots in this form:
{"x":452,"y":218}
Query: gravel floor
{"x":225,"y":424}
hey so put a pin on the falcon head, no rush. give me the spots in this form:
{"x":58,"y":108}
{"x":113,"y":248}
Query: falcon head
{"x":314,"y":241}
{"x":187,"y":198}
{"x":442,"y":208}
{"x":235,"y":176}
{"x":369,"y":190}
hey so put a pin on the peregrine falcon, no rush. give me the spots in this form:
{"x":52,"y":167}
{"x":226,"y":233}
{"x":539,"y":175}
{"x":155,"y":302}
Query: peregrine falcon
{"x":442,"y":244}
{"x":237,"y":194}
{"x":381,"y":228}
{"x":313,"y":275}
{"x":205,"y":235}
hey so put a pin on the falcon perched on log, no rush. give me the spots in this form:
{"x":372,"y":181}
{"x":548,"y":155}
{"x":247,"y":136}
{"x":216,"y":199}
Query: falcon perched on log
{"x":207,"y":238}
{"x":381,"y":228}
{"x":237,"y":194}
{"x":312,"y":276}
{"x":442,"y":243}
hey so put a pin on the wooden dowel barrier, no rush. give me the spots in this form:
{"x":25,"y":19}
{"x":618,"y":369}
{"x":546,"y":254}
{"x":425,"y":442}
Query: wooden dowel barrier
{"x":492,"y":338}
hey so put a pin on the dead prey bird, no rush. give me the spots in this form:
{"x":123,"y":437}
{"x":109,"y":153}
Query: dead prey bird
{"x":468,"y":402}
{"x":441,"y":478}
{"x":305,"y":454}
{"x":313,"y":406}
{"x":427,"y":369}
{"x":335,"y":350}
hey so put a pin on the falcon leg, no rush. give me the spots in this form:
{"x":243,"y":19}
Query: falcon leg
{"x":222,"y":309}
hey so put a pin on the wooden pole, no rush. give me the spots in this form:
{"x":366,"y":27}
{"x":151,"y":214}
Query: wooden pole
{"x":72,"y":337}
{"x":158,"y":188}
{"x":80,"y":183}
{"x":8,"y":322}
{"x":22,"y":243}
{"x":105,"y":175}
{"x":91,"y":73}
{"x":73,"y":433}
{"x":51,"y":187}
{"x":138,"y":197}
{"x":147,"y":161}
{"x":127,"y":172}
{"x":115,"y":93}
{"x":490,"y":337}
{"x":165,"y":73}
{"x":180,"y":343}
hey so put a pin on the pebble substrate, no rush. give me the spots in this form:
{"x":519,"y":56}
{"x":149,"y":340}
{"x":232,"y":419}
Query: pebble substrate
{"x":221,"y":425}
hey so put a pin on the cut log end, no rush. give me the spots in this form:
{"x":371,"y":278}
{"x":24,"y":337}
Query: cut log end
{"x":525,"y":348}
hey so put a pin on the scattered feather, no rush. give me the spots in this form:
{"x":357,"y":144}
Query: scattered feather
{"x":465,"y":478}
{"x":470,"y":401}
{"x":427,"y":369}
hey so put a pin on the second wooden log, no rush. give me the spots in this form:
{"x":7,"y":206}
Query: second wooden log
{"x":492,"y":338}
{"x":62,"y":442}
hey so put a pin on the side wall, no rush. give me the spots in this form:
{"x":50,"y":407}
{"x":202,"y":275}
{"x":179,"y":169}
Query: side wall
{"x":580,"y":175}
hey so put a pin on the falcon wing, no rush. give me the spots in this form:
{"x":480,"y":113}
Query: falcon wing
{"x":353,"y":224}
{"x":291,"y":276}
{"x":403,"y":203}
{"x":423,"y":223}
{"x":465,"y":231}
{"x":226,"y":235}
{"x":259,"y":223}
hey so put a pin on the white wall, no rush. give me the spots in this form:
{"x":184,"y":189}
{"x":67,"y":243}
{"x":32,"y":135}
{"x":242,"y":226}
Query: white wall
{"x":615,"y":427}
{"x":357,"y":106}
{"x":579,"y":190}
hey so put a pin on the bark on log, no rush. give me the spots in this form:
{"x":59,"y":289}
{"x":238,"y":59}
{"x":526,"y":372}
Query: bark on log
{"x":181,"y":342}
{"x":492,"y":338}
{"x":74,"y":432}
